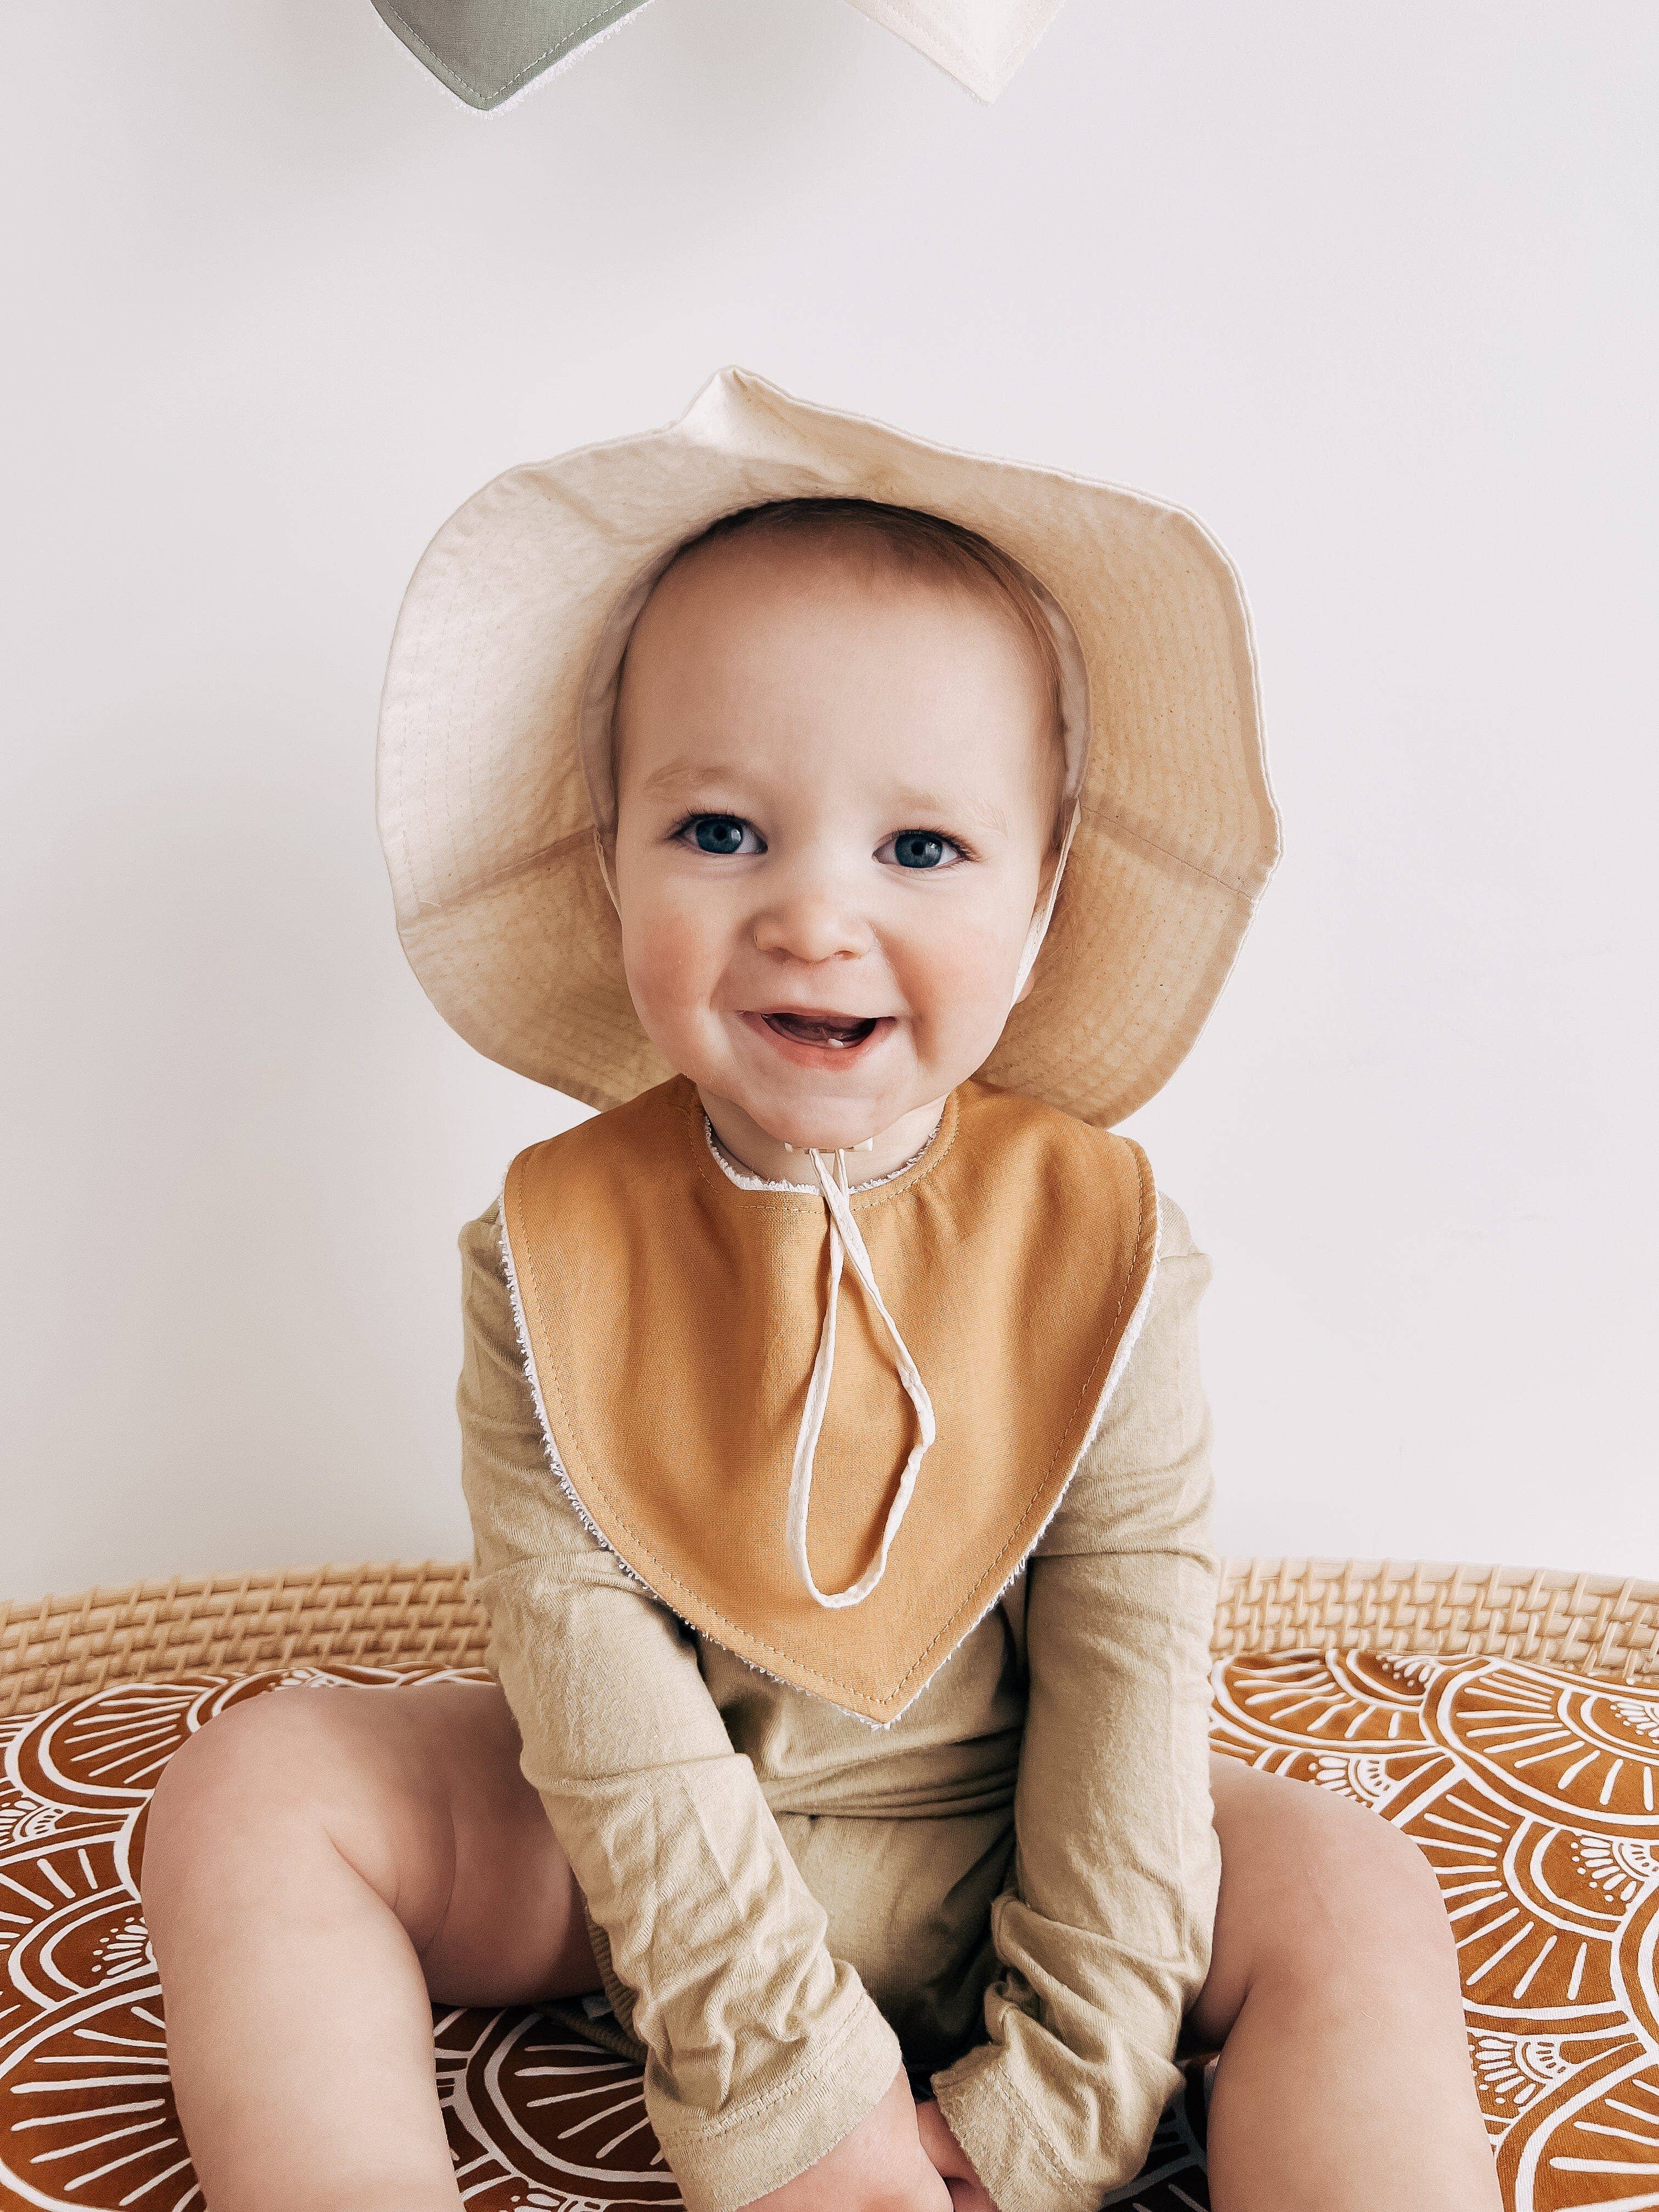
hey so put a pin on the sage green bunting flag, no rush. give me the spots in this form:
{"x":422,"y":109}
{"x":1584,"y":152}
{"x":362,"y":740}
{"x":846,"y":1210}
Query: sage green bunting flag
{"x":489,"y":50}
{"x":486,"y":51}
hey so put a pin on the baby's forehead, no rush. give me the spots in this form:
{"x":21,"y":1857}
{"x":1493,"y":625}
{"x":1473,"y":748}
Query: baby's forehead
{"x":749,"y":616}
{"x":777,"y":564}
{"x":744,"y":564}
{"x":837,"y":618}
{"x":753,"y":659}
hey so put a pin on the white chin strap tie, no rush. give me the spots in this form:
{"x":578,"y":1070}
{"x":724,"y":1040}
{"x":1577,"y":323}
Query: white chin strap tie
{"x":847,"y":1242}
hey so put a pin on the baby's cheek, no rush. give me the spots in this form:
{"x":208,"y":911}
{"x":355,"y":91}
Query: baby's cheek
{"x":965,"y":961}
{"x":960,"y":982}
{"x":670,"y":965}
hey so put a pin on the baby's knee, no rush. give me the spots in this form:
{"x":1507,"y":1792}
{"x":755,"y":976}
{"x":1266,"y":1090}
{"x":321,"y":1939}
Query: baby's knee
{"x":1364,"y":1899}
{"x":1319,"y":1891}
{"x":253,"y":1780}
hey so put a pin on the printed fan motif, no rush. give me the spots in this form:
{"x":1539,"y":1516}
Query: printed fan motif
{"x":1532,"y":1791}
{"x":1534,"y":1794}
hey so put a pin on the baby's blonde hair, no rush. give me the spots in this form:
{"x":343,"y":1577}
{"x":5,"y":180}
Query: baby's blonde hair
{"x":913,"y":542}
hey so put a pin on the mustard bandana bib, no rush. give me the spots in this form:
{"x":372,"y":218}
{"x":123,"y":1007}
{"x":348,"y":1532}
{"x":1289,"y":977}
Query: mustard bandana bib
{"x":672,"y":1318}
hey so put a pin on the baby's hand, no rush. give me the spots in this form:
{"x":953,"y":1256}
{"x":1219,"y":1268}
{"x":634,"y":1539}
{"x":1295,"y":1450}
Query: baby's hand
{"x":968,"y":2192}
{"x":880,"y":2167}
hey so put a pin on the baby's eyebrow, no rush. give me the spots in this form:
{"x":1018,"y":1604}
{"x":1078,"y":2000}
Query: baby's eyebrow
{"x":700,"y":779}
{"x":689,"y":775}
{"x":957,"y":806}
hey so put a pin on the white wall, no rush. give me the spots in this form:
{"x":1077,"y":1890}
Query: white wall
{"x":1373,"y":290}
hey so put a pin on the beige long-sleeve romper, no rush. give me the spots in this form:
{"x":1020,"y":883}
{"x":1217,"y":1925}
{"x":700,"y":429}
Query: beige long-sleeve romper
{"x":1012,"y":1884}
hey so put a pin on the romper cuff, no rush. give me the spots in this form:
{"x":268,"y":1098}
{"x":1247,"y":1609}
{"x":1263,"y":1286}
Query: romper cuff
{"x":1002,"y":2132}
{"x":727,"y":2160}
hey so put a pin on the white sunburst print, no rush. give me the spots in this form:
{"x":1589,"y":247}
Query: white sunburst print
{"x":1621,"y":1866}
{"x":1369,"y":1781}
{"x":1508,"y":1928}
{"x":1640,"y":1715}
{"x":1592,"y":2146}
{"x":537,"y":2121}
{"x":125,"y":1950}
{"x":539,"y":2103}
{"x":25,"y":1819}
{"x":1532,"y":1791}
{"x":1325,"y":1700}
{"x":89,"y":2116}
{"x":1517,"y":2069}
{"x":1554,"y":1739}
{"x":1522,"y":1785}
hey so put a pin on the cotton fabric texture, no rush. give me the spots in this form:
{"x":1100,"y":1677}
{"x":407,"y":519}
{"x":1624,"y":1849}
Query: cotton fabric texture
{"x":504,"y":664}
{"x":489,"y":51}
{"x":1012,"y":1886}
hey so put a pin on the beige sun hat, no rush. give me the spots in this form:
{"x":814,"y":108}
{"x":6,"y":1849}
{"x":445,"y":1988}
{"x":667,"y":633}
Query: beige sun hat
{"x":504,"y":664}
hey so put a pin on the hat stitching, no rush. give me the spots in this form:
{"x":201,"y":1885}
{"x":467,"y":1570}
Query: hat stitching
{"x":509,"y":872}
{"x":1120,"y":829}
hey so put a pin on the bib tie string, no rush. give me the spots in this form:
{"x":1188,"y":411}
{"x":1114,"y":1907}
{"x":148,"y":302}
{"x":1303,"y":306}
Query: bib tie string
{"x":847,"y":1246}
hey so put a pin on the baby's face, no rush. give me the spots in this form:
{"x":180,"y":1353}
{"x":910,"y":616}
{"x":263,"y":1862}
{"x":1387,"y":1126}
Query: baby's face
{"x":835,"y":795}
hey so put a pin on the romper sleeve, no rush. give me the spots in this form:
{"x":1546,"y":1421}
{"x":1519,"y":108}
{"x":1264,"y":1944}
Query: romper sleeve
{"x":1104,"y":1932}
{"x":763,"y":2051}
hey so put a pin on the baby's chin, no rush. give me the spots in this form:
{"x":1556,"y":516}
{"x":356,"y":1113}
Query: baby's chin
{"x":814,"y":1110}
{"x":825,"y":1097}
{"x":804,"y":1118}
{"x":808,"y":1131}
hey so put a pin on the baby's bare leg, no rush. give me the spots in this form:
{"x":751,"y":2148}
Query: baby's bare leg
{"x":1344,"y":2079}
{"x":322,"y":1865}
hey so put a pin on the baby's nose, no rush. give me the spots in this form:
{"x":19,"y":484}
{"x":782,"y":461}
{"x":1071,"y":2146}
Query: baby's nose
{"x":812,"y":925}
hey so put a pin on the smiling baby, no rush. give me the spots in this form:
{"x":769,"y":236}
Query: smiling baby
{"x":864,"y":829}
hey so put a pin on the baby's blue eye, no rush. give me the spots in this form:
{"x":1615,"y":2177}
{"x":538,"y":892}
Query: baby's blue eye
{"x":918,"y":848}
{"x":717,"y":833}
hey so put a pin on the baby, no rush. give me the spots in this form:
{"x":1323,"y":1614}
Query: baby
{"x":837,"y":1468}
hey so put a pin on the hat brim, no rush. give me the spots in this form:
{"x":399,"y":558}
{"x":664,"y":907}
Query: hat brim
{"x":484,"y":812}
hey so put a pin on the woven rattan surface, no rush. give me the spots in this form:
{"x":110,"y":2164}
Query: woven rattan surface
{"x":381,"y":1615}
{"x":1596,"y":1624}
{"x":423,"y":1614}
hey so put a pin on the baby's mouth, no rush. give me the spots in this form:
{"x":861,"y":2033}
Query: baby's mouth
{"x":839,"y":1033}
